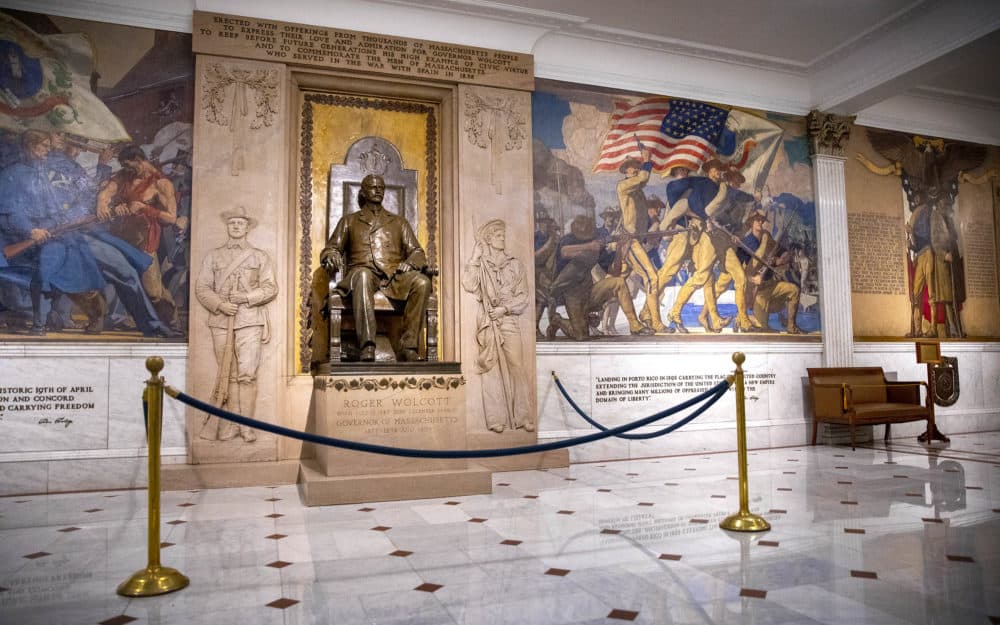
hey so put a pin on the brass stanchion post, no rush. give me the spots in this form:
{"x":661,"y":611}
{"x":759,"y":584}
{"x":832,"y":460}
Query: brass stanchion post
{"x":154,"y":579}
{"x":744,"y":520}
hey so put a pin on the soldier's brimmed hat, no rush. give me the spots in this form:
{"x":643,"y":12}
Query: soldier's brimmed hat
{"x":630,"y":162}
{"x":611,"y":211}
{"x":490,"y":227}
{"x":240,"y":212}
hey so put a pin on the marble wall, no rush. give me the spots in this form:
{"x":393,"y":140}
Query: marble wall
{"x":659,"y":376}
{"x":777,"y":408}
{"x":82,"y":449}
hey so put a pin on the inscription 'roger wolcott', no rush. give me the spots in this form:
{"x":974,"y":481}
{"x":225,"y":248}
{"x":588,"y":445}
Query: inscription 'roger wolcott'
{"x":400,"y":402}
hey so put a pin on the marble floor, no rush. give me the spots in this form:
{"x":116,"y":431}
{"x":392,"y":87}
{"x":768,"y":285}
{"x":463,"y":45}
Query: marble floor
{"x":882,"y":535}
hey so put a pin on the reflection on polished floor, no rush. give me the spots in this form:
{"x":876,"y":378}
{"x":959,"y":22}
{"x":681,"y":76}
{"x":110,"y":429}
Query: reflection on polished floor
{"x":877,"y":535}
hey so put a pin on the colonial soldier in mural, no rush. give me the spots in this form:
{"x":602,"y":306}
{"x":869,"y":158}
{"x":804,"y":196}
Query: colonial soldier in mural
{"x":714,"y":202}
{"x":634,"y":225}
{"x":929,"y":171}
{"x":612,"y":217}
{"x":374,"y":250}
{"x":499,"y":282}
{"x":235,"y":283}
{"x":585,"y":286}
{"x":766,"y":262}
{"x":546,"y":240}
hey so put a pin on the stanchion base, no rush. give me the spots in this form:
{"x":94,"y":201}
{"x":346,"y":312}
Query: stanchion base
{"x":745,"y":522}
{"x":152,"y":581}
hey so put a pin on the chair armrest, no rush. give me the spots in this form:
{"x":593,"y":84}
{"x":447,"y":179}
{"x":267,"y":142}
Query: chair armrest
{"x":830,"y":400}
{"x":903,"y":392}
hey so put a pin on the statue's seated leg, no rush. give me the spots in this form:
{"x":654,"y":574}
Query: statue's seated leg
{"x":363,"y":283}
{"x":414,"y":288}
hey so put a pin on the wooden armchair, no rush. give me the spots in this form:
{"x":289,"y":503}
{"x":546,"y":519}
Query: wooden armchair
{"x":862,"y":396}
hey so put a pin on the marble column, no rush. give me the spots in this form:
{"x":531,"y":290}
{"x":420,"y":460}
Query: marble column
{"x":828,"y":136}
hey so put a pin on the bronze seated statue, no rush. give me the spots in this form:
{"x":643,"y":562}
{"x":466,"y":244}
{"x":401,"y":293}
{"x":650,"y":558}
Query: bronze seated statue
{"x":373,"y":288}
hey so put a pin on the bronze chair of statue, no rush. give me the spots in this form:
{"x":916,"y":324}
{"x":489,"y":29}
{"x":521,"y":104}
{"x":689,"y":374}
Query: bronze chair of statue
{"x":334,"y":341}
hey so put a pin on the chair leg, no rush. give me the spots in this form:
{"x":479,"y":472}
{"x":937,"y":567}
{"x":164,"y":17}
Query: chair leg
{"x":336,"y":347}
{"x":815,"y":426}
{"x":852,"y":437}
{"x":432,"y":330}
{"x":888,"y":427}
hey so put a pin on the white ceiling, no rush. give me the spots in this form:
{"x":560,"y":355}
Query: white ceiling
{"x":796,"y":33}
{"x":952,"y":48}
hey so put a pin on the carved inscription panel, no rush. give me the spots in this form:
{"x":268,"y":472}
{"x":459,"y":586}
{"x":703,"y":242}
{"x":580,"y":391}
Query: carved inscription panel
{"x":300,"y":44}
{"x":42,"y":411}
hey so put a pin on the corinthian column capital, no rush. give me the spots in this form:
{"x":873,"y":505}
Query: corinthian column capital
{"x":828,"y":133}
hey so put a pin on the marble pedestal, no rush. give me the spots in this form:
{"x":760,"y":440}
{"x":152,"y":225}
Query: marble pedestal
{"x":421,"y":409}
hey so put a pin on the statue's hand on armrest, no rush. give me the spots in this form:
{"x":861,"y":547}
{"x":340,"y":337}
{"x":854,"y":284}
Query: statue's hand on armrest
{"x":331,"y":260}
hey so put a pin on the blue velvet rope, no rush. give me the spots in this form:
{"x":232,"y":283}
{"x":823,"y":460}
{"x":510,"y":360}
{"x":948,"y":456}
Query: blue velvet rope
{"x":663,"y":413}
{"x":714,"y":394}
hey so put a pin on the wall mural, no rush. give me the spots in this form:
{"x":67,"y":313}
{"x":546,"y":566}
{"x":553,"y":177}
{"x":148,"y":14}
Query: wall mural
{"x":707,"y":220}
{"x":95,"y":179}
{"x":921,"y":233}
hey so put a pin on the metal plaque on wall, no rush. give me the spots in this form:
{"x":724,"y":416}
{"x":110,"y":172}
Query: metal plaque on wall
{"x":946,"y":381}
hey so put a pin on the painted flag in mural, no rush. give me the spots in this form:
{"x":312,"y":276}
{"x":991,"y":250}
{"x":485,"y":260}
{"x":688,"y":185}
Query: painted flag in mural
{"x":686,"y":133}
{"x":45,"y":85}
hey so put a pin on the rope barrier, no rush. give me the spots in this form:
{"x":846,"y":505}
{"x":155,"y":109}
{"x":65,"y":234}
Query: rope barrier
{"x":663,"y":413}
{"x":712,"y":395}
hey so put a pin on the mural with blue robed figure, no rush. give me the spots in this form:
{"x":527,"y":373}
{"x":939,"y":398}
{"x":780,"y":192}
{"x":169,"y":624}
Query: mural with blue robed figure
{"x":95,"y":180}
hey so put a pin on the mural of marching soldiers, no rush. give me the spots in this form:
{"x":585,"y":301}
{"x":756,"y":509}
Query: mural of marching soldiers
{"x":658,"y":216}
{"x":95,"y":145}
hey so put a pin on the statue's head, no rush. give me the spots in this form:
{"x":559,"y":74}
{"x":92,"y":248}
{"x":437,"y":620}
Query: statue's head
{"x":372,"y":189}
{"x":493,"y":234}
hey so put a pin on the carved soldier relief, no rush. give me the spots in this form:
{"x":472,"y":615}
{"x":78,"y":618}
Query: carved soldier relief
{"x":235,"y":284}
{"x":500,"y":285}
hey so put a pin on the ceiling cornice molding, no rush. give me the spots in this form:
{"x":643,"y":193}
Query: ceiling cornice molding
{"x":936,"y":117}
{"x":695,"y":91}
{"x":510,"y":13}
{"x":963,"y":98}
{"x":632,"y":39}
{"x":175,"y":15}
{"x":876,"y":32}
{"x":922,"y":37}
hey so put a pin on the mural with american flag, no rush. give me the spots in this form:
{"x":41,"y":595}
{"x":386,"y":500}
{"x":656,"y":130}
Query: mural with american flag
{"x":658,"y":216}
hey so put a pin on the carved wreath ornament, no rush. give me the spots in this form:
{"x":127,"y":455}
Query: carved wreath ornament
{"x":225,"y":100}
{"x":494,"y":124}
{"x":384,"y":384}
{"x":218,"y":80}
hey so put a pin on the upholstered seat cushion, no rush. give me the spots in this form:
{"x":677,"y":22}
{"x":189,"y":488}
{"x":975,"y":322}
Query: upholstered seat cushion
{"x":889,"y":410}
